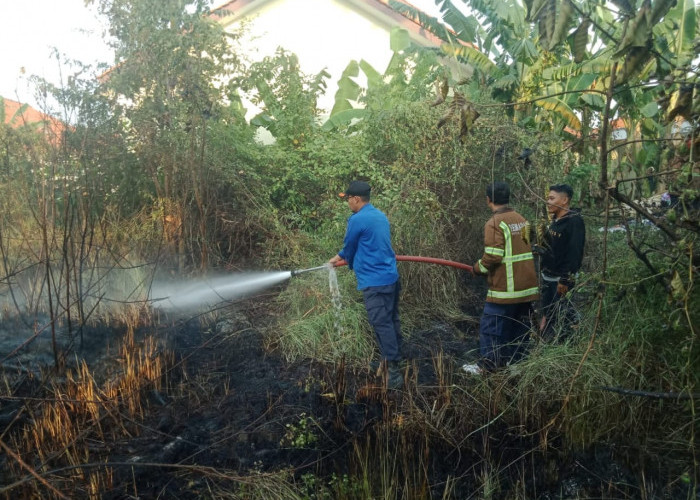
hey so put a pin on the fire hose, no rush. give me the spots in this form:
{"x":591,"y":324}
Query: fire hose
{"x":427,"y":260}
{"x":401,"y":258}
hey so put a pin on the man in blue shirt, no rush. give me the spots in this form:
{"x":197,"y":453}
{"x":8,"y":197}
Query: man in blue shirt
{"x":368,"y":252}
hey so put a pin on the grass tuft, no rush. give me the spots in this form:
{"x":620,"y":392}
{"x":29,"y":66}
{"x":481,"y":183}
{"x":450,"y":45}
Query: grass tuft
{"x":317,"y":329}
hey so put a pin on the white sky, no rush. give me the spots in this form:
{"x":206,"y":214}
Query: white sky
{"x":30,"y":30}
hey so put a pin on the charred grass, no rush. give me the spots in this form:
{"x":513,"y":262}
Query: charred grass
{"x":63,"y":425}
{"x":217,"y":411}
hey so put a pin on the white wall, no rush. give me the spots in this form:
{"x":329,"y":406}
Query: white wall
{"x":322,"y":33}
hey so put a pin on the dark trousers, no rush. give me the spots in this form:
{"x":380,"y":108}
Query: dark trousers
{"x":558,"y":311}
{"x":503,"y":332}
{"x":382,"y":305}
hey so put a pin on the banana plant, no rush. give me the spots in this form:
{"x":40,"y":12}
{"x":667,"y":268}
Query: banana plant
{"x":507,"y":54}
{"x":13,"y":120}
{"x":532,"y":52}
{"x":14,"y":129}
{"x":349,"y":92}
{"x":348,"y":107}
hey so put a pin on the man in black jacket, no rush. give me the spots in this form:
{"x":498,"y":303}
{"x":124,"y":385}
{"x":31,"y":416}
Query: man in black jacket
{"x":565,"y":239}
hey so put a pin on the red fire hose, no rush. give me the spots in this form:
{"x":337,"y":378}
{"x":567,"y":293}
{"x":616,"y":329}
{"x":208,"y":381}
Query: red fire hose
{"x":428,"y":260}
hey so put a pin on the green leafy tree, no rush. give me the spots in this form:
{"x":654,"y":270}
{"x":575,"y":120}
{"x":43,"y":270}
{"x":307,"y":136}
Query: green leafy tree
{"x":409,"y":75}
{"x":167,"y":89}
{"x":288,"y":98}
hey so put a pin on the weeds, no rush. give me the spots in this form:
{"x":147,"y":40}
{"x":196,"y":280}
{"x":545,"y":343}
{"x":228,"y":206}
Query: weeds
{"x":314,"y":334}
{"x":80,"y":411}
{"x":302,"y":434}
{"x":188,"y":206}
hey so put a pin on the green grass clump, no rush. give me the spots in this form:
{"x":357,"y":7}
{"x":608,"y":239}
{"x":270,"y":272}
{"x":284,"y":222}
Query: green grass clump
{"x":553,"y":387}
{"x":313,"y":327}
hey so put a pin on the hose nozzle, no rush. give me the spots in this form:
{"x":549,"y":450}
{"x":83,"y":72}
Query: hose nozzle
{"x":301,"y":271}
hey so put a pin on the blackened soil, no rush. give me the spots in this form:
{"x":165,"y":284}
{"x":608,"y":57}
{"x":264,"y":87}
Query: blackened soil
{"x":236,"y":412}
{"x":241,"y":408}
{"x":234,"y":416}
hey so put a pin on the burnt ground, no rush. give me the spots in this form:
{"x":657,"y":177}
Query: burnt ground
{"x":246,"y":411}
{"x":234,"y":413}
{"x":254,"y":408}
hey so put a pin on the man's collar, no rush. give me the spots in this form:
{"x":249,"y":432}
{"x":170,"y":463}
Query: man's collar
{"x":502,"y":209}
{"x":566,"y":214}
{"x":363,"y":206}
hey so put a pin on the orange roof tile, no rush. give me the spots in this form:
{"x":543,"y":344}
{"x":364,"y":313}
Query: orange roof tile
{"x":17,"y":117}
{"x":619,"y":123}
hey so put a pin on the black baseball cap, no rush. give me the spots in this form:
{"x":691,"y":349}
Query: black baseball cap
{"x":357,"y":188}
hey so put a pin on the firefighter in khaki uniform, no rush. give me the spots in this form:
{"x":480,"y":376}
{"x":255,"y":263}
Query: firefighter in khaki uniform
{"x":509,"y":266}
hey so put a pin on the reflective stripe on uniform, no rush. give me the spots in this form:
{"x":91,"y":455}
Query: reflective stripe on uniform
{"x":493,"y":251}
{"x":482,"y":268}
{"x":512,"y":295}
{"x":519,"y":258}
{"x":508,"y":261}
{"x":510,"y":281}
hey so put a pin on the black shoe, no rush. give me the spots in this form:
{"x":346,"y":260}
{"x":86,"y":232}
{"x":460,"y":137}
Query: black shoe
{"x":375,"y":367}
{"x":394,"y":376}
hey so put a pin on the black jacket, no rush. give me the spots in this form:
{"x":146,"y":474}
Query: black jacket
{"x":565,"y":238}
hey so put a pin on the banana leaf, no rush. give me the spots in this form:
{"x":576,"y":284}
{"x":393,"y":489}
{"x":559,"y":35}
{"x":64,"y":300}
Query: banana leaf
{"x":348,"y":89}
{"x":685,"y":12}
{"x":465,"y":27}
{"x":472,"y":56}
{"x":343,"y":118}
{"x":431,"y":24}
{"x":558,"y":107}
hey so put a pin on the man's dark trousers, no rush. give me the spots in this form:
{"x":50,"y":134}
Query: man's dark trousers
{"x":382,"y":305}
{"x":559,"y":311}
{"x":503,"y":332}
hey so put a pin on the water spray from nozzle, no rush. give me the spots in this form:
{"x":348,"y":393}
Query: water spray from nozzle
{"x":301,"y":271}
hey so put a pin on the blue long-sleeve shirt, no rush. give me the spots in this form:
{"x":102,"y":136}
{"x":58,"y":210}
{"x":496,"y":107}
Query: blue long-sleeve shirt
{"x":367,"y":248}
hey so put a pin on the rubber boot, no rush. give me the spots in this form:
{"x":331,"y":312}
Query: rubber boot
{"x":394,"y":376}
{"x":375,"y":368}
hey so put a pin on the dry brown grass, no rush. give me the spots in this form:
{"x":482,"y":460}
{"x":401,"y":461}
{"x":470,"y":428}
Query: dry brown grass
{"x":78,"y":418}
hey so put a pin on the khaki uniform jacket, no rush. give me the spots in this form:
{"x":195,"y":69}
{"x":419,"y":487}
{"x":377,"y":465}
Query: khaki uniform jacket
{"x":507,"y":259}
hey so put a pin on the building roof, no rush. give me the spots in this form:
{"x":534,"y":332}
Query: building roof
{"x":618,"y":124}
{"x":19,"y":115}
{"x":380,"y":10}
